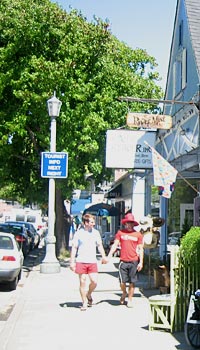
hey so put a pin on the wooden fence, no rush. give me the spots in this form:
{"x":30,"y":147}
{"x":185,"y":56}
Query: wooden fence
{"x":186,"y":282}
{"x":170,"y":310}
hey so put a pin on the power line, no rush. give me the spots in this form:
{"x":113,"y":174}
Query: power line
{"x":149,"y":100}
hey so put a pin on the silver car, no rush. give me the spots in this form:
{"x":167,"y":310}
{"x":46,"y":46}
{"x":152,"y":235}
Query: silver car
{"x":11,"y":260}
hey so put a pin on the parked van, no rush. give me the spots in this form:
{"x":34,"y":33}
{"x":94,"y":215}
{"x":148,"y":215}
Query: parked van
{"x":32,"y":216}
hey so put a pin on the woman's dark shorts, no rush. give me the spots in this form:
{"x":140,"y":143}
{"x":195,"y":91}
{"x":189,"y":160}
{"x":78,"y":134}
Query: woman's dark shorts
{"x":128,"y":271}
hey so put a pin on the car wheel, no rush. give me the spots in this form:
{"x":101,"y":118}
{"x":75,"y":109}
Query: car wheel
{"x":20,"y":275}
{"x":38,"y":242}
{"x":13,"y":284}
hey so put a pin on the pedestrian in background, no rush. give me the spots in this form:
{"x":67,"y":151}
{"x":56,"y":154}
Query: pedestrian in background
{"x":71,"y":232}
{"x":77,"y":222}
{"x":83,"y":258}
{"x":131,"y":256}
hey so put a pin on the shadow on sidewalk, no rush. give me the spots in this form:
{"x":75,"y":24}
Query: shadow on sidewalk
{"x":34,"y":258}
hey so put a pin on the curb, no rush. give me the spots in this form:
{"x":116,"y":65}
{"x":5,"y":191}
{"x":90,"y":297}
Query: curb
{"x":13,"y":318}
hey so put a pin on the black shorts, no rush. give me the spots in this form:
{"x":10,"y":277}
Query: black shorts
{"x":128,"y":271}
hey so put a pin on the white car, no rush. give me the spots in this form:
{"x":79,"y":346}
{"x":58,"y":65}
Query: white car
{"x":11,"y":260}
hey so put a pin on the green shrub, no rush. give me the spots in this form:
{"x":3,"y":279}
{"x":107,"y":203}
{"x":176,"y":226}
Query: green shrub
{"x":189,"y":257}
{"x":190,"y":244}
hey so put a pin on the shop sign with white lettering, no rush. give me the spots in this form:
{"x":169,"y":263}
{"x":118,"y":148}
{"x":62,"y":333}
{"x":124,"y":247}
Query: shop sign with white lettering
{"x":126,"y":149}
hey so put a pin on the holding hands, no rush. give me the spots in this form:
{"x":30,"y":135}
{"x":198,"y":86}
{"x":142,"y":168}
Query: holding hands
{"x":104,"y":260}
{"x":72,"y":266}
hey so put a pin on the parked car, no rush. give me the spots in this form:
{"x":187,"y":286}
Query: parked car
{"x":39,"y":224}
{"x":32,"y":232}
{"x":20,"y":233}
{"x":11,"y":260}
{"x":108,"y":240}
{"x":36,"y":219}
{"x":32,"y":216}
{"x":174,"y":238}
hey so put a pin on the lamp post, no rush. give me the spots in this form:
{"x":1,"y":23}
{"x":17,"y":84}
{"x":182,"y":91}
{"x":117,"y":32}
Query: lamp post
{"x":50,"y":263}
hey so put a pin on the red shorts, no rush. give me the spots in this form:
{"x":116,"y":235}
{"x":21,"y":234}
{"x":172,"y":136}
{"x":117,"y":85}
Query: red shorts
{"x":86,"y":268}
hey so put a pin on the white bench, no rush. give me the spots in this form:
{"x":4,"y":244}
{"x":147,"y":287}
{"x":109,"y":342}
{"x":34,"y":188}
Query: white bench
{"x":162,"y":307}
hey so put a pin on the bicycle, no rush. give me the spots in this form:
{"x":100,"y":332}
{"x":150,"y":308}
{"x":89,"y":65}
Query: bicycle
{"x":192,"y":325}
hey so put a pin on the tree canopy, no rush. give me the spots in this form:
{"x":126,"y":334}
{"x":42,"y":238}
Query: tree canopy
{"x":45,"y":49}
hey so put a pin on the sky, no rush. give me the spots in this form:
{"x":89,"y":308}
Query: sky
{"x":146,"y":24}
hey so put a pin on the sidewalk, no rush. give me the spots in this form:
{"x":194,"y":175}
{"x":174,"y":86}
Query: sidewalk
{"x":48,"y":316}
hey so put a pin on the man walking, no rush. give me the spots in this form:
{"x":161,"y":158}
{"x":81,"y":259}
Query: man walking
{"x":83,"y":258}
{"x":131,"y":256}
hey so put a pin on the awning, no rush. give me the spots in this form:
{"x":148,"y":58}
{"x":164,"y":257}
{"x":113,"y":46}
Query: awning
{"x":115,"y":192}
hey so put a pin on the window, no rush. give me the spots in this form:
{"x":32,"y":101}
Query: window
{"x":184,"y":69}
{"x":180,"y":72}
{"x":180,"y":41}
{"x":20,"y":217}
{"x":6,"y":243}
{"x":31,"y":218}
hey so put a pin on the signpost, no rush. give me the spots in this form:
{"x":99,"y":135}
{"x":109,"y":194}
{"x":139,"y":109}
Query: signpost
{"x":54,"y":164}
{"x":154,"y":121}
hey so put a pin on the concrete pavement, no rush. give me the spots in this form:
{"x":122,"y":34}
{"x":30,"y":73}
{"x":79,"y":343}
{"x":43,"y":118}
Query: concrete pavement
{"x":48,"y":316}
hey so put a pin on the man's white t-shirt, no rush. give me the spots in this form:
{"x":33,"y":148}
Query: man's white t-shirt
{"x":86,"y":242}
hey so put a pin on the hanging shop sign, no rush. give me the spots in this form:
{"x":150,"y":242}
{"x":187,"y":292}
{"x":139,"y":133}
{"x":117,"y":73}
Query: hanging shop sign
{"x":126,"y":149}
{"x":149,"y":121}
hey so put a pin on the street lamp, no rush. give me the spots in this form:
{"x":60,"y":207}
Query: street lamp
{"x":50,"y":263}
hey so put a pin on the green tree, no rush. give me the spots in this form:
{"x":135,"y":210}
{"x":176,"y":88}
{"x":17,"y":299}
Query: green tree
{"x":44,"y":49}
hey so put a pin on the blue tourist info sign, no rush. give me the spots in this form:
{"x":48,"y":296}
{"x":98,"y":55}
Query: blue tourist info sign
{"x":54,"y":164}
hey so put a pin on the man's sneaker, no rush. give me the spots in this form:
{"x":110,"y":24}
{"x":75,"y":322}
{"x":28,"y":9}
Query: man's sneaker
{"x":130,"y":304}
{"x":84,"y":307}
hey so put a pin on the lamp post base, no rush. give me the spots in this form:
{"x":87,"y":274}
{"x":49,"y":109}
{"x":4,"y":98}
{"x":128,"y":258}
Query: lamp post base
{"x":50,"y":264}
{"x":50,"y":267}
